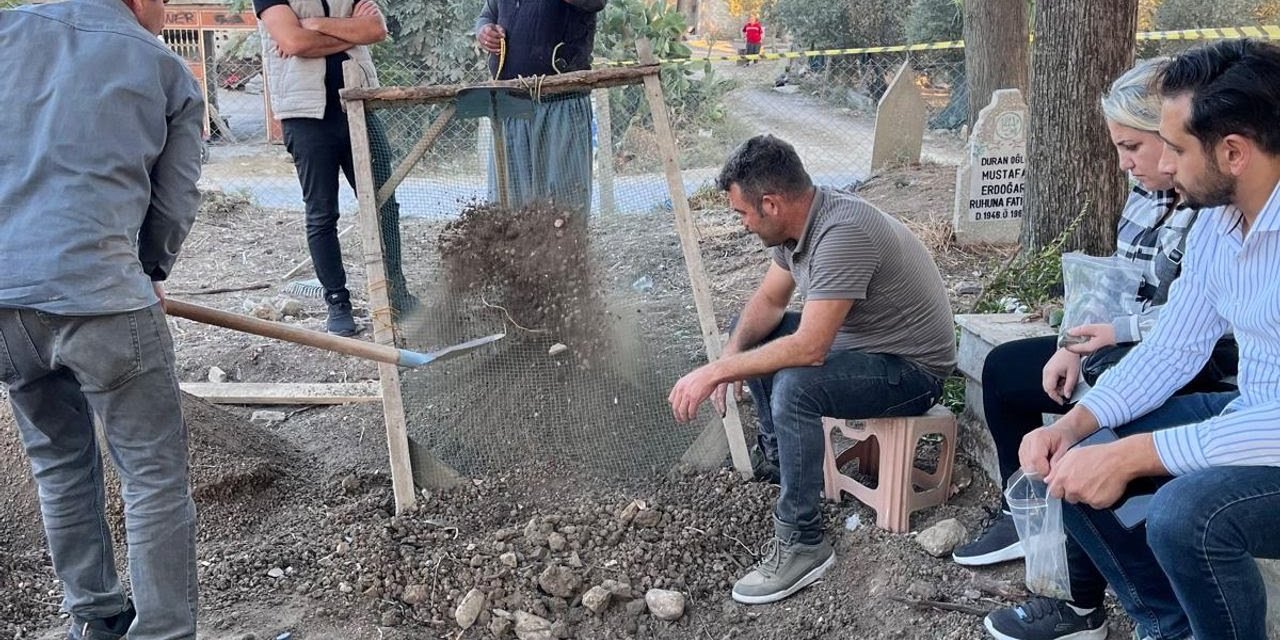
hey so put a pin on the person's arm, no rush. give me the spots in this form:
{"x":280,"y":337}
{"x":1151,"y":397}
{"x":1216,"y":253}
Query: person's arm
{"x":488,"y":15}
{"x":590,"y":6}
{"x":174,"y":196}
{"x":763,"y":311}
{"x":365,"y":26}
{"x":293,"y":40}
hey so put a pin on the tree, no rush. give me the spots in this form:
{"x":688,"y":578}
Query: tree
{"x":1080,"y":47}
{"x":995,"y":49}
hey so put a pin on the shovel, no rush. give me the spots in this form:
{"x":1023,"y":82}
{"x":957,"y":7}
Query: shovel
{"x":336,"y":344}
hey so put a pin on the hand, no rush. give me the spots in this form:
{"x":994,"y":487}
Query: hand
{"x":159,"y":287}
{"x":719,"y":396}
{"x":490,"y":38}
{"x":1040,"y":449}
{"x":1096,"y":336}
{"x":366,"y":8}
{"x":1096,"y":475}
{"x":1061,"y":374}
{"x":691,"y":390}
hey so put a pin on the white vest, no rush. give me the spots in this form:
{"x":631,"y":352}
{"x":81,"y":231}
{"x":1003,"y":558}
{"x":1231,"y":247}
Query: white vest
{"x":297,"y":84}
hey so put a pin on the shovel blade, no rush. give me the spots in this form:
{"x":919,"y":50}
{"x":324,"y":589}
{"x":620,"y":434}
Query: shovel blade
{"x":416,"y":359}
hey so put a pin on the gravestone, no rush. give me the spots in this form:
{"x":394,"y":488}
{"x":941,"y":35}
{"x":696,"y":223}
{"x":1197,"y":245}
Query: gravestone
{"x":900,"y":120}
{"x":990,"y":182}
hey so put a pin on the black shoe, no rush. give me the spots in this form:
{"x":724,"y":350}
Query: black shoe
{"x":112,"y":628}
{"x":999,"y":543}
{"x":764,"y":469}
{"x":1046,"y":619}
{"x":340,"y":321}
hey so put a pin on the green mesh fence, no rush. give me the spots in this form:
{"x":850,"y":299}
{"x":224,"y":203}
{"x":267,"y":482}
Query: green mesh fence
{"x":524,"y":217}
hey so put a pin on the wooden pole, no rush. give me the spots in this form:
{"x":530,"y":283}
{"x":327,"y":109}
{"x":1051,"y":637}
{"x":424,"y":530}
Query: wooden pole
{"x":550,"y":85}
{"x":604,"y":154}
{"x":370,"y":225}
{"x":692,"y":254}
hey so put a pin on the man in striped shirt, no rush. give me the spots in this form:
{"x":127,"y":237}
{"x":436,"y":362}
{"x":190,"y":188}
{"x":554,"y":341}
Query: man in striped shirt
{"x":874,"y":338}
{"x":1191,"y":569}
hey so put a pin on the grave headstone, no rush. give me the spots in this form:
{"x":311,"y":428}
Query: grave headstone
{"x":900,"y":121}
{"x":990,"y":183}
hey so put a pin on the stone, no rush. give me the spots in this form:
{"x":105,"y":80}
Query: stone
{"x":556,"y":542}
{"x":263,"y":416}
{"x":647,"y":518}
{"x":664,"y":604}
{"x":941,"y":538}
{"x":900,"y":122}
{"x":288,"y":307}
{"x":969,"y":288}
{"x":596,"y":599}
{"x":345,"y":587}
{"x":499,"y":626}
{"x":469,"y":609}
{"x":557,"y":349}
{"x":276,"y":572}
{"x":637,"y":607}
{"x":343,"y":548}
{"x":217,"y":375}
{"x":509,"y":559}
{"x":531,"y":627}
{"x":559,"y":581}
{"x":415,"y":594}
{"x":617,"y":589}
{"x":990,"y":183}
{"x":537,"y":531}
{"x":263,"y":310}
{"x":391,"y":618}
{"x":961,"y":478}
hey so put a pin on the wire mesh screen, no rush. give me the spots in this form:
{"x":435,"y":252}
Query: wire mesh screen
{"x":514,"y":220}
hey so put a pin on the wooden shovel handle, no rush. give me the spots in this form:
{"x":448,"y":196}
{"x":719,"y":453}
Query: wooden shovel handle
{"x":255,"y":326}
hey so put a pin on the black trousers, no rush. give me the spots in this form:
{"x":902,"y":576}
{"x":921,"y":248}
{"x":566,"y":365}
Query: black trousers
{"x":321,"y":148}
{"x":1012,"y":400}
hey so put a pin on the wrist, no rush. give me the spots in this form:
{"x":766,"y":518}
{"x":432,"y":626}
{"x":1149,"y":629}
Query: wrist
{"x":1139,"y":458}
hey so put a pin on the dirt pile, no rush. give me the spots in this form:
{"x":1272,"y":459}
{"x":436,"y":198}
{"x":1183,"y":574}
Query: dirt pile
{"x":235,"y":473}
{"x":535,"y":263}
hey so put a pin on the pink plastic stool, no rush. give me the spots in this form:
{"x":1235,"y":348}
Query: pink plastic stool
{"x":893,"y":461}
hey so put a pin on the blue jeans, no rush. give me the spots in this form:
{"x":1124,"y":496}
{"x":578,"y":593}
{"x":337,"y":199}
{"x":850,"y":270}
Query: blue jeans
{"x":792,"y":402}
{"x":63,"y":371}
{"x":1173,"y":574}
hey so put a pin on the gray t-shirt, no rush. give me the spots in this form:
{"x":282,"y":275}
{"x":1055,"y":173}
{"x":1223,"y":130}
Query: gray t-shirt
{"x":852,"y":251}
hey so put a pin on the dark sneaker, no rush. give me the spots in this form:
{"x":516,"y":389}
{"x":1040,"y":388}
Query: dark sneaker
{"x":340,"y":321}
{"x":785,"y":569}
{"x":999,"y":543}
{"x":112,"y":628}
{"x":1046,"y":619}
{"x":764,"y":469}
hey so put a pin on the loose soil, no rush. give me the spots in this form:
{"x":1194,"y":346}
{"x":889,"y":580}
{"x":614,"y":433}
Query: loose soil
{"x":297,"y":532}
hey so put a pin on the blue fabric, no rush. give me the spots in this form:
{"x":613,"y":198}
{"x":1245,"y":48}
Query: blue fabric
{"x":548,"y":155}
{"x":1131,"y":566}
{"x":101,"y":144}
{"x":791,"y":403}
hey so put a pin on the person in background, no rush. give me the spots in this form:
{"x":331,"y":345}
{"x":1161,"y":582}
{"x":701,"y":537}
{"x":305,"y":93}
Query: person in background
{"x":548,"y":155}
{"x":307,"y":42}
{"x":753,"y":31}
{"x":102,"y":127}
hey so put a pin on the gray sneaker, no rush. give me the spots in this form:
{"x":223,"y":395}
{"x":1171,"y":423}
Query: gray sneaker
{"x":785,"y":569}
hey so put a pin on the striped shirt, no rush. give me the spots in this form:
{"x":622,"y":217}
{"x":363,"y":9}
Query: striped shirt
{"x":849,"y":250}
{"x":1152,"y":231}
{"x":1227,"y":282}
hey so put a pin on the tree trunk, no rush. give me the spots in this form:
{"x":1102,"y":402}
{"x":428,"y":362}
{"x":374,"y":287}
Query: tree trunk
{"x":995,"y":49}
{"x":1080,"y":47}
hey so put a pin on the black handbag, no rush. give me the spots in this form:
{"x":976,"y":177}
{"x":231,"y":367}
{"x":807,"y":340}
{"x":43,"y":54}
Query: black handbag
{"x":1222,"y":364}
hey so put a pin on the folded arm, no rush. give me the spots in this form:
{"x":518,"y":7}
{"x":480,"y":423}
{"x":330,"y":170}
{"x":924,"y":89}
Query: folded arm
{"x":292,"y":39}
{"x":365,"y":26}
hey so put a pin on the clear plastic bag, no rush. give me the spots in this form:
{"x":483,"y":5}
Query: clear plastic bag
{"x":1097,"y":290}
{"x":1038,"y":519}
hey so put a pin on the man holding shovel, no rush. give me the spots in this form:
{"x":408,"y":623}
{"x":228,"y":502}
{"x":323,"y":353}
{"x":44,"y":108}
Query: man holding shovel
{"x":101,"y":129}
{"x":547,"y":155}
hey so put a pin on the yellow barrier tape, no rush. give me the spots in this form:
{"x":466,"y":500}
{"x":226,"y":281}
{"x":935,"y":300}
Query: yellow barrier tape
{"x":1267,"y":32}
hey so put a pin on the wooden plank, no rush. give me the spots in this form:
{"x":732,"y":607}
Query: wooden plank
{"x":604,"y":157}
{"x":549,"y":85}
{"x":692,"y":255}
{"x":284,"y":392}
{"x":370,"y":226}
{"x":415,"y":154}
